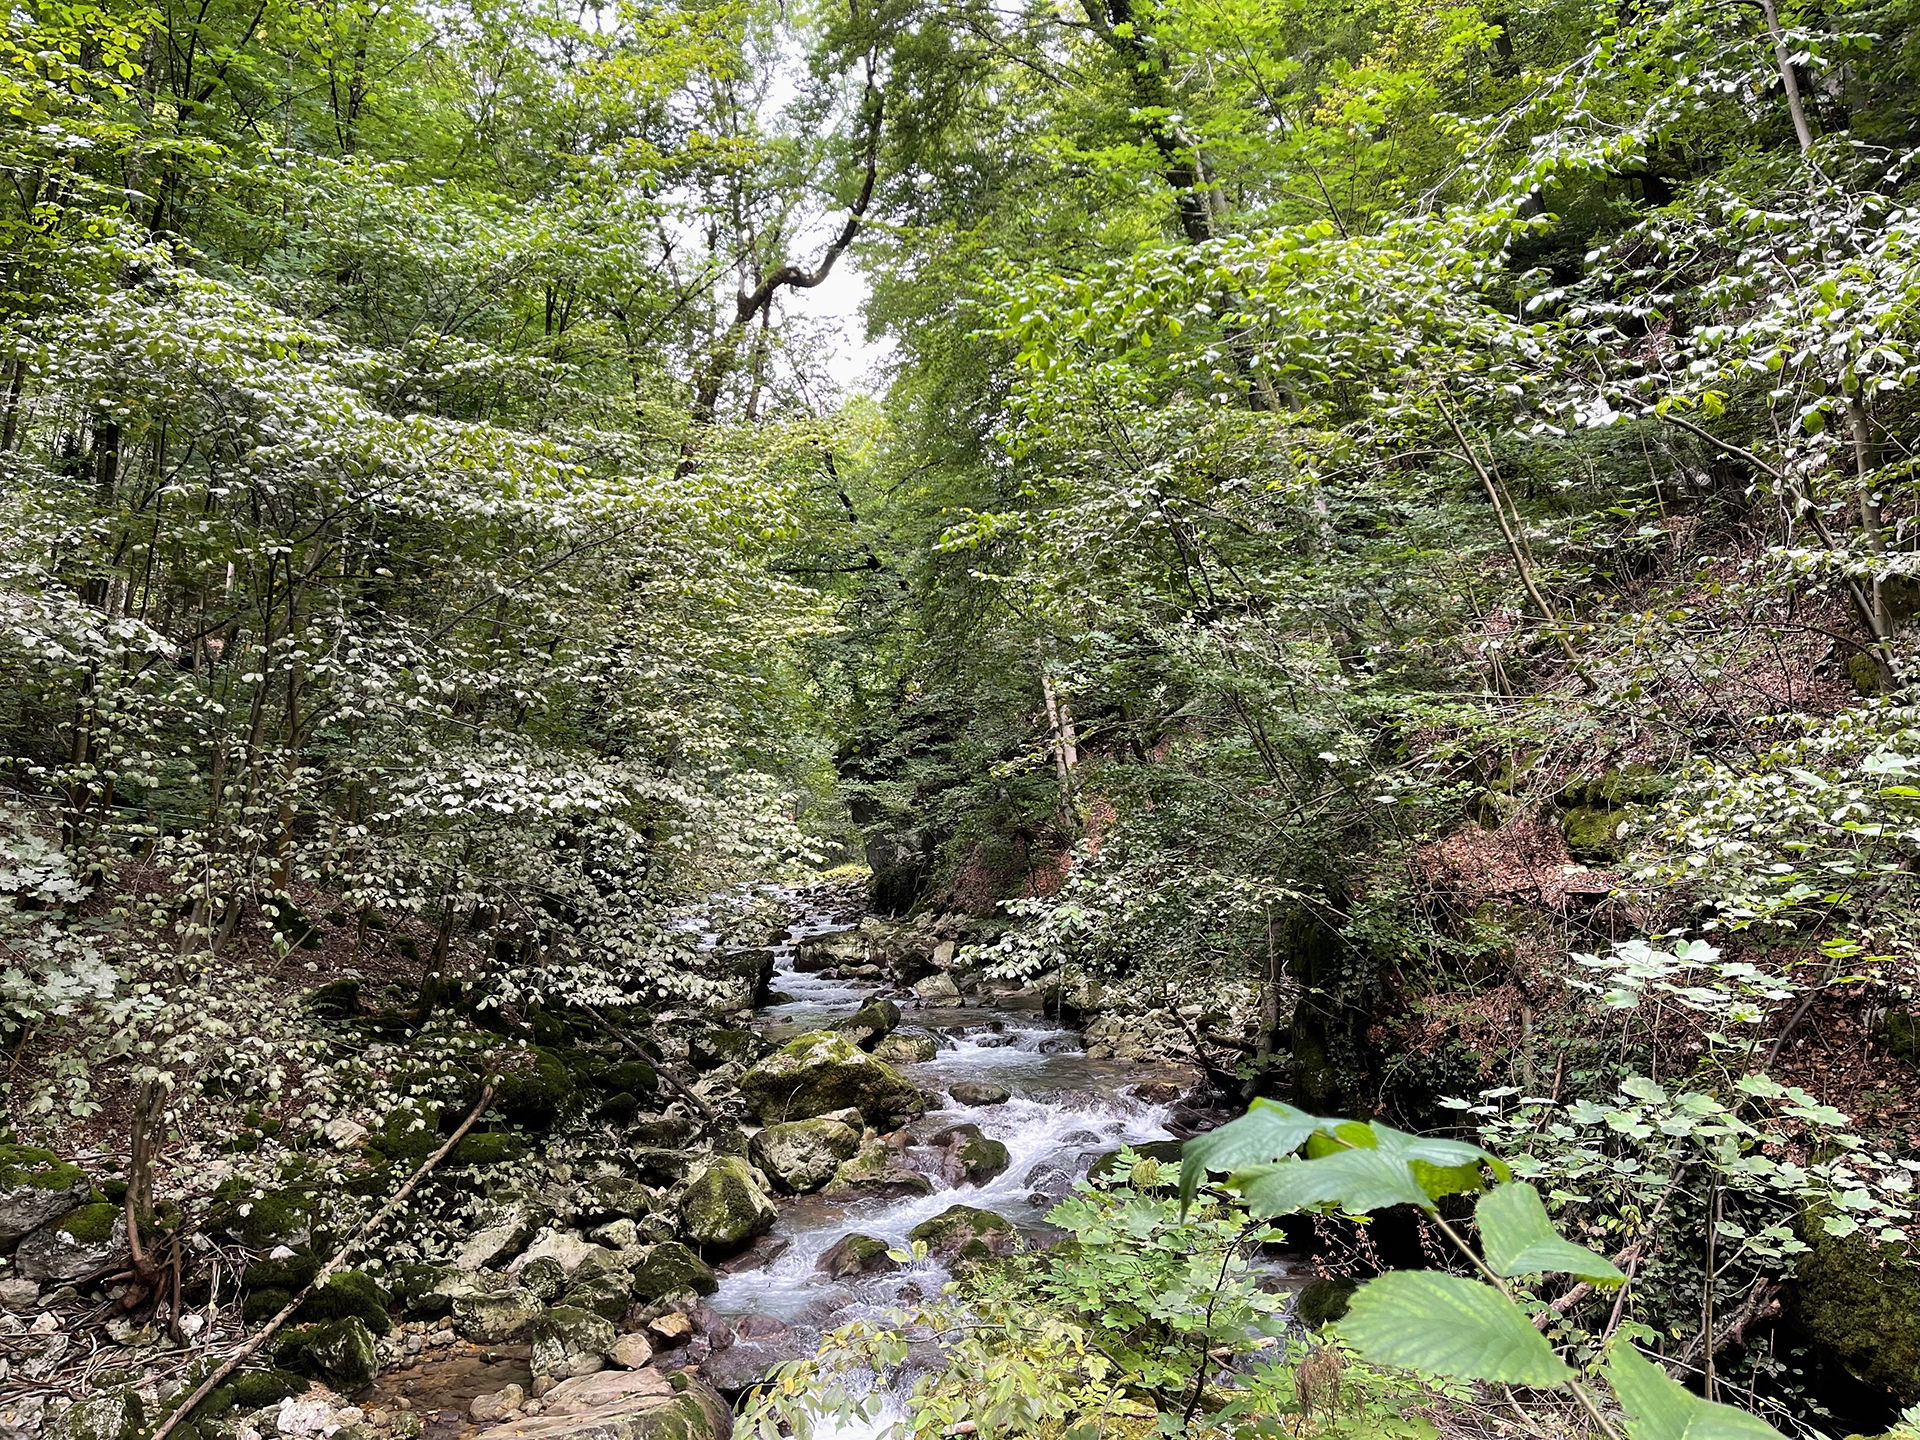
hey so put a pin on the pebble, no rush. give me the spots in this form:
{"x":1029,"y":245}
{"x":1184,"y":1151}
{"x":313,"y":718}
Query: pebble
{"x":44,"y":1324}
{"x":19,"y":1294}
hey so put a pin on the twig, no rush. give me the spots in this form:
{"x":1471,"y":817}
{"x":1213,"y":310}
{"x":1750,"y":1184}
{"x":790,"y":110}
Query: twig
{"x":234,"y":1361}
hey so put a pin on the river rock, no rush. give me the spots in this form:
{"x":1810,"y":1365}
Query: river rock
{"x":961,"y":1234}
{"x":877,"y":1170}
{"x":343,"y":1353}
{"x":78,"y":1244}
{"x":801,"y":1155}
{"x":869,"y":1024}
{"x":37,"y":1187}
{"x":908,"y":1046}
{"x":856,"y":1254}
{"x":672,"y":1269}
{"x":1107,"y":1169}
{"x":819,"y":1072}
{"x":569,"y":1342}
{"x":498,"y":1405}
{"x":972,"y":1158}
{"x":937,"y":990}
{"x":631,"y":1352}
{"x":625,"y":1405}
{"x":723,"y":1206}
{"x":974,"y":1092}
{"x":490,"y":1316}
{"x":741,"y":1366}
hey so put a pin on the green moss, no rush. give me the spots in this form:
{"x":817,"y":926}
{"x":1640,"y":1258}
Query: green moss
{"x":262,"y":1305}
{"x":26,"y":1165}
{"x":530,"y":1088}
{"x":1323,"y":1302}
{"x":604,"y":1295}
{"x":256,"y":1389}
{"x":288,"y":1274}
{"x":1899,"y":1033}
{"x":1864,"y":674}
{"x":91,"y":1224}
{"x":1591,"y":834}
{"x":491,"y":1148}
{"x":335,"y":1000}
{"x":1863,"y":1304}
{"x":671,"y":1268}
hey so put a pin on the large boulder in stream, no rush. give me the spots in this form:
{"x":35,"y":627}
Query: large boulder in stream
{"x":800,"y":1156}
{"x":625,"y":1405}
{"x":877,"y":1172}
{"x":723,"y":1206}
{"x":962,"y":1234}
{"x":869,"y":1024}
{"x":819,"y":1072}
{"x":856,"y":1254}
{"x":972,"y":1157}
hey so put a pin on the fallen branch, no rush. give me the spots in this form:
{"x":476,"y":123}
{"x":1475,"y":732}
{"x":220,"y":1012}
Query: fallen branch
{"x":378,"y":1218}
{"x":658,"y":1068}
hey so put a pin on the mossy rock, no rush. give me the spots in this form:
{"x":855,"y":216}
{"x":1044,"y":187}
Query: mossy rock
{"x":1864,"y":674}
{"x":856,"y":1254}
{"x":531,"y":1087}
{"x":287,"y":1274}
{"x":78,"y":1244}
{"x":1323,"y":1301}
{"x":1112,"y":1169}
{"x":820,"y":1072}
{"x":342,"y":1353}
{"x":713,"y":1048}
{"x":630,"y":1077}
{"x":36,"y":1188}
{"x":871,"y":1023}
{"x":349,"y":1294}
{"x":117,"y":1414}
{"x":1592,"y":834}
{"x":801,"y":1155}
{"x":335,"y":1000}
{"x":1862,"y":1304}
{"x":962,"y":1234}
{"x":723,"y":1207}
{"x":256,"y":1389}
{"x":608,"y":1295}
{"x":975,"y":1157}
{"x":1900,"y":1033}
{"x":569,"y":1342}
{"x":909,"y":1046}
{"x":671,"y":1269}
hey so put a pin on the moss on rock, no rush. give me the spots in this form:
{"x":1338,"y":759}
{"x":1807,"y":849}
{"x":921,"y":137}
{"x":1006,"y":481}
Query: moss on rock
{"x":36,"y":1187}
{"x":820,"y":1072}
{"x":1862,"y":1304}
{"x":672,"y":1269}
{"x":723,"y":1206}
{"x":801,"y":1155}
{"x":962,"y":1234}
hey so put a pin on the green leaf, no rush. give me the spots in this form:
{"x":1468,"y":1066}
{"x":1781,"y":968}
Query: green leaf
{"x":1378,"y":1166}
{"x":1519,"y":1239}
{"x":1446,"y":1325}
{"x":1659,"y":1408}
{"x":1266,"y":1132}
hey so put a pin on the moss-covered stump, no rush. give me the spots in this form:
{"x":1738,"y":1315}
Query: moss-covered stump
{"x":78,"y":1244}
{"x":672,"y":1269}
{"x":962,"y":1235}
{"x":37,"y":1187}
{"x":342,"y":1353}
{"x":820,"y":1072}
{"x":972,"y":1158}
{"x":723,"y":1207}
{"x":800,"y":1156}
{"x":856,"y":1254}
{"x":1862,"y":1304}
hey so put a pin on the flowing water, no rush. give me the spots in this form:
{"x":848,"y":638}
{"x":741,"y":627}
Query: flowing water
{"x":1065,"y":1111}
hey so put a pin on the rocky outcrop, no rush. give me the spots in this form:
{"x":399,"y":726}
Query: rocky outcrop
{"x":670,"y":1268}
{"x":800,"y":1156}
{"x":77,"y":1245}
{"x":723,"y":1206}
{"x":819,"y":1072}
{"x":569,"y":1342}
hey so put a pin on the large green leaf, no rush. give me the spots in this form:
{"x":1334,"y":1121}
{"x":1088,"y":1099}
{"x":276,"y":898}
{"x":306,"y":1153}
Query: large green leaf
{"x":1660,"y":1408}
{"x":1266,"y":1132}
{"x":1377,"y":1166}
{"x":1445,"y":1325}
{"x":1519,"y":1239}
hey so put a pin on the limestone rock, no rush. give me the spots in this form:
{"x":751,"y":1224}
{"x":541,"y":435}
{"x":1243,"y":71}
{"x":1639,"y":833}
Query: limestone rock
{"x":73,"y":1247}
{"x":856,"y":1254}
{"x":937,"y":990}
{"x":909,"y":1046}
{"x":631,"y":1352}
{"x":801,"y":1155}
{"x":961,"y":1233}
{"x":340,"y":1352}
{"x":115,"y":1415}
{"x":870,"y":1023}
{"x":37,"y":1187}
{"x":486,"y":1409}
{"x":654,"y":1409}
{"x":723,"y":1206}
{"x":490,"y":1316}
{"x":569,"y":1342}
{"x":878,"y":1171}
{"x":820,"y":1071}
{"x":974,"y":1092}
